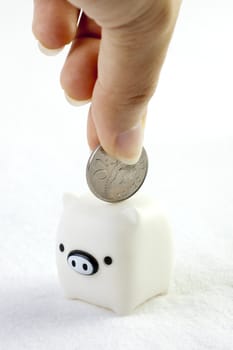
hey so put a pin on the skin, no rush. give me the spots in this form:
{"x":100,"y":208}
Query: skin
{"x":115,"y":59}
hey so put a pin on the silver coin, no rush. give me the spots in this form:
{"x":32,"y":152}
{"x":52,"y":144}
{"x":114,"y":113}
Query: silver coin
{"x":112,"y":180}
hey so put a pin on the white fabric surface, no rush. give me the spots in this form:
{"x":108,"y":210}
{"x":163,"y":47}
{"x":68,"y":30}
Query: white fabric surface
{"x":43,"y":153}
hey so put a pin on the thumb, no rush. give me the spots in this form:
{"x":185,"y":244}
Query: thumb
{"x":129,"y":63}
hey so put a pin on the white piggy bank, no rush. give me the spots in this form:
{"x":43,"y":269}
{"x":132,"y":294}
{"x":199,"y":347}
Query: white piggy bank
{"x":113,"y":255}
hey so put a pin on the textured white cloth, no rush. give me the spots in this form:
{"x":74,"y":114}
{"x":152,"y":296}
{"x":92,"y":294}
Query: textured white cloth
{"x":43,"y":153}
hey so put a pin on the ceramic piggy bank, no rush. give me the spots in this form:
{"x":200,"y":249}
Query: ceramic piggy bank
{"x":113,"y":255}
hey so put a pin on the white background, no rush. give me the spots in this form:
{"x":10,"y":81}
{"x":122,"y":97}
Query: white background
{"x":43,"y":153}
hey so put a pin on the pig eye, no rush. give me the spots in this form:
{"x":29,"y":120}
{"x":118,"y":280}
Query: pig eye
{"x":108,"y":260}
{"x":61,"y":247}
{"x":82,"y":262}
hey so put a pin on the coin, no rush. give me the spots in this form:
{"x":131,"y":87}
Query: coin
{"x":113,"y":181}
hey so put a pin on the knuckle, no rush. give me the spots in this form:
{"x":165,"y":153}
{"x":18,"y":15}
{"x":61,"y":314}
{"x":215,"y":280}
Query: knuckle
{"x":163,"y":16}
{"x":127,"y":97}
{"x":140,"y":96}
{"x":160,"y":16}
{"x":166,"y":14}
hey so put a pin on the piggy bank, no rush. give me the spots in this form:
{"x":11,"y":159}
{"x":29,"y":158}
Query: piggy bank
{"x":113,"y":255}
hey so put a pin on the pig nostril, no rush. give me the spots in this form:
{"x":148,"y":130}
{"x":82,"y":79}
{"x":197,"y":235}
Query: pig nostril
{"x":85,"y":267}
{"x":73,"y":262}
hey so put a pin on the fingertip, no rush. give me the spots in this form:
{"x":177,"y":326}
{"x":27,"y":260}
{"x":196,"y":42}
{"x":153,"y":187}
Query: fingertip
{"x":124,"y":145}
{"x":54,"y":23}
{"x":76,"y":103}
{"x":128,"y":144}
{"x":53,"y":38}
{"x":49,"y":52}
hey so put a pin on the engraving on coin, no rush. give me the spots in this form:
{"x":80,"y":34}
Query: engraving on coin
{"x":113,"y":181}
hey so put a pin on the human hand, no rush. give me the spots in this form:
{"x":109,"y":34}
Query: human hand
{"x":115,"y":59}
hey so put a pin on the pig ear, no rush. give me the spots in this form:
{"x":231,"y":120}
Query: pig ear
{"x":69,"y":200}
{"x":131,"y":215}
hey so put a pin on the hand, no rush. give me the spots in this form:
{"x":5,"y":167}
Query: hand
{"x":115,"y":59}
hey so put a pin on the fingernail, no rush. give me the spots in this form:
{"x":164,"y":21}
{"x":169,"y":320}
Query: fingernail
{"x":129,"y":144}
{"x":76,"y":103}
{"x":49,"y":52}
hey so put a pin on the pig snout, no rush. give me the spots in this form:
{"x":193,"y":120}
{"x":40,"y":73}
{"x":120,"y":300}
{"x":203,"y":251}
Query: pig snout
{"x":82,"y":262}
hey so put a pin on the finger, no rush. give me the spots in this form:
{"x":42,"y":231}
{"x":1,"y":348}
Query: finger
{"x":79,"y":73}
{"x":54,"y":22}
{"x":130,"y":61}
